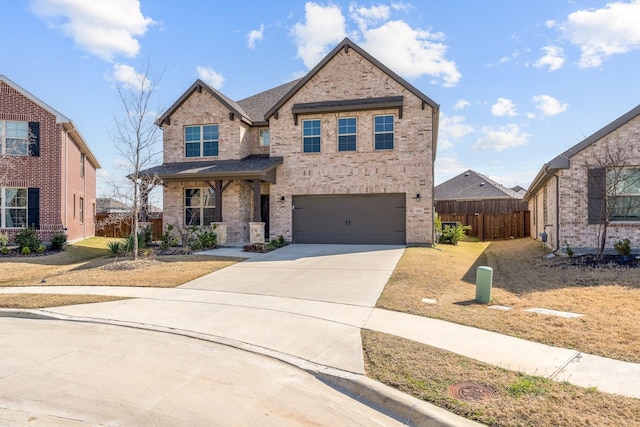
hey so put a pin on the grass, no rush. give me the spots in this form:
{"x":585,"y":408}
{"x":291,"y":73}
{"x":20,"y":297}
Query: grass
{"x":87,"y":263}
{"x":522,"y":400}
{"x":522,"y":279}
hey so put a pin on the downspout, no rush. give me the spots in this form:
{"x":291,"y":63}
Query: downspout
{"x":557,"y":213}
{"x":65,"y":225}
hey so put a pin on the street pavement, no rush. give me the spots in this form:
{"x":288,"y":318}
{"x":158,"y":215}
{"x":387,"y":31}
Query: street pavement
{"x":306,"y":305}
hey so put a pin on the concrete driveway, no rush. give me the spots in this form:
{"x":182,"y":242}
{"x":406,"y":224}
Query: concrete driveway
{"x":55,"y":373}
{"x":303,"y":303}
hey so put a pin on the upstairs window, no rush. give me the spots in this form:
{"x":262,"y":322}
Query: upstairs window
{"x":347,"y":134}
{"x":264,"y":137}
{"x":13,"y":207}
{"x":201,"y":141}
{"x":82,"y":162}
{"x":200,"y":206}
{"x":14,"y":138}
{"x":383,"y":132}
{"x":311,"y":136}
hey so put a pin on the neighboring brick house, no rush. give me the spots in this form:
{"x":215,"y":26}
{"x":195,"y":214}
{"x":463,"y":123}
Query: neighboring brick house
{"x":343,"y":155}
{"x":51,"y":181}
{"x":566,"y":197}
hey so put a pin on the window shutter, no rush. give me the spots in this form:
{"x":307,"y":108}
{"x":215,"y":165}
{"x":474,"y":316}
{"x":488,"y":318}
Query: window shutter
{"x":33,"y":207}
{"x":34,"y":139}
{"x":596,"y":188}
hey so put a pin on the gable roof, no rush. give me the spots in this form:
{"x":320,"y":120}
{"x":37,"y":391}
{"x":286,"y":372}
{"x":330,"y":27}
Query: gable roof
{"x":471,"y":185}
{"x":563,"y":161}
{"x":61,"y":119}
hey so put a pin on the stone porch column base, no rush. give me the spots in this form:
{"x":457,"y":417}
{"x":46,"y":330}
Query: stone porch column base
{"x":221,"y":232}
{"x":256,"y":232}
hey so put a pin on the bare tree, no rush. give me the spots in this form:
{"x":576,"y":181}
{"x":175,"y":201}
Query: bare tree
{"x":610,"y":179}
{"x":136,"y":138}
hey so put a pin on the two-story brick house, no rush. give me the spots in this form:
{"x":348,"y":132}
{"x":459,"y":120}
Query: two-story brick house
{"x":49,"y":176}
{"x":343,"y":155}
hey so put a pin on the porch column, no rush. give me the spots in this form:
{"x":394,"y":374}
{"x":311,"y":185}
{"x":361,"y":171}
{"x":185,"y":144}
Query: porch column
{"x":218,"y":197}
{"x":257,"y":205}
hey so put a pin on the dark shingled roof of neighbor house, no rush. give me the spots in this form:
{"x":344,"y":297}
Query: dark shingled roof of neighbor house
{"x":472,"y":185}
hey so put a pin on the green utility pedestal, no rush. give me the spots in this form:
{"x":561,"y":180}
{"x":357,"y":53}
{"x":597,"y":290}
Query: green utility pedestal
{"x":484,"y":282}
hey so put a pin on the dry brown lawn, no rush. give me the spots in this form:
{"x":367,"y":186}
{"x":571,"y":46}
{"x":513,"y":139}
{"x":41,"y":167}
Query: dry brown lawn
{"x":87,"y":263}
{"x":608,"y":297}
{"x":522,"y":400}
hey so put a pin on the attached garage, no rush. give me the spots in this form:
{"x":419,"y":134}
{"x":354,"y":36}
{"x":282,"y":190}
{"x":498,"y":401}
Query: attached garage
{"x":378,"y":219}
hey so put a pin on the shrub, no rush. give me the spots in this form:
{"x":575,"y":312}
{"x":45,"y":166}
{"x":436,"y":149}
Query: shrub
{"x":4,"y":240}
{"x":4,"y":250}
{"x":623,"y":247}
{"x":25,"y":251}
{"x":28,"y":238}
{"x":58,"y":240}
{"x":115,"y":247}
{"x":276,"y":243}
{"x":452,"y":235}
{"x":569,"y":249}
{"x":168,"y":239}
{"x":41,"y":249}
{"x":146,"y":235}
{"x":198,"y":238}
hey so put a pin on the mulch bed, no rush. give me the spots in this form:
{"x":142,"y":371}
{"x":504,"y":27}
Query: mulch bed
{"x":607,"y":261}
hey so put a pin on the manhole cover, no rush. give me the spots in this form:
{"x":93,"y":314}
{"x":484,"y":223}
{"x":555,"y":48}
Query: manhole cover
{"x":472,"y":392}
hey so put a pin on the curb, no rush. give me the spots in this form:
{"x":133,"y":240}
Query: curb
{"x":387,"y":400}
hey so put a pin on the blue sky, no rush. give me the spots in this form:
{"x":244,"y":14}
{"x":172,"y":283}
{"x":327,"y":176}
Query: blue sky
{"x":518,"y":82}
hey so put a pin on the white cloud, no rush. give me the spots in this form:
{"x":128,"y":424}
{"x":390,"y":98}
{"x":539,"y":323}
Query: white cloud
{"x":411,"y":52}
{"x":507,"y":136}
{"x":367,"y":16}
{"x":407,"y":51}
{"x":324,"y":27}
{"x":447,"y":167}
{"x":210,"y":77}
{"x":504,"y":107}
{"x":553,"y":58}
{"x":450,"y":129}
{"x":600,"y":33}
{"x":461,"y":104}
{"x":129,"y":77}
{"x":105,"y":28}
{"x":549,"y":105}
{"x":550,"y":23}
{"x":254,"y":36}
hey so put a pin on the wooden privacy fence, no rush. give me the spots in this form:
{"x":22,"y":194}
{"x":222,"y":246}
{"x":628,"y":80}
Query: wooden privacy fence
{"x":107,"y":227}
{"x":493,"y":226}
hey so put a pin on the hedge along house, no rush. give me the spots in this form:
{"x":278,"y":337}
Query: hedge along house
{"x":593,"y":182}
{"x":49,"y":176}
{"x":343,"y":155}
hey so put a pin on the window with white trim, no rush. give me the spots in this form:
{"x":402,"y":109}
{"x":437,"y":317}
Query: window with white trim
{"x":383,"y":132}
{"x":347,"y":128}
{"x":311,"y":136}
{"x":14,"y":138}
{"x":201,"y":141}
{"x":81,"y":210}
{"x":624,"y":186}
{"x":13,"y":207}
{"x":199,"y":206}
{"x":83,"y":160}
{"x":264,"y":136}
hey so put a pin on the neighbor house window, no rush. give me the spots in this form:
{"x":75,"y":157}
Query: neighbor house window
{"x":347,"y":134}
{"x":81,"y":210}
{"x":625,"y":198}
{"x":201,"y":141}
{"x":200,"y":206}
{"x":82,"y":162}
{"x":14,"y":138}
{"x":13,"y":207}
{"x":383,"y":132}
{"x":311,"y":136}
{"x":264,"y":137}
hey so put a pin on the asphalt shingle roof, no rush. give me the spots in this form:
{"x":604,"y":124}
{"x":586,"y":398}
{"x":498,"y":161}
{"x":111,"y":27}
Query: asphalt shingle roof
{"x":471,"y":185}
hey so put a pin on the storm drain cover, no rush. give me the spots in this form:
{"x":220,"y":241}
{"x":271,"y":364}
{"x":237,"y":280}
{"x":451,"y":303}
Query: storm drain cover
{"x":471,"y":392}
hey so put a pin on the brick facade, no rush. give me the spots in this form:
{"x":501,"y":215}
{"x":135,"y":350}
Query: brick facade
{"x":347,"y":75}
{"x":566,"y":198}
{"x":55,"y":172}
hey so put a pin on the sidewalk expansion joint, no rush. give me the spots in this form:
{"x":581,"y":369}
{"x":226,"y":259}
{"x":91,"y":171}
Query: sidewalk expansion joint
{"x":576,"y":358}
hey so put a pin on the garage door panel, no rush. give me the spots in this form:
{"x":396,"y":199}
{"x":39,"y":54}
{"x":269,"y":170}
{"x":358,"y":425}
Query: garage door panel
{"x":350,"y":219}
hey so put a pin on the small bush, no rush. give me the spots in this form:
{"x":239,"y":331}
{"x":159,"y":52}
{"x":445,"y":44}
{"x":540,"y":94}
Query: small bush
{"x":452,"y":235}
{"x":25,"y":251}
{"x":276,"y":243}
{"x":115,"y":247}
{"x":28,"y":238}
{"x":58,"y":240}
{"x":41,"y":249}
{"x":4,"y":250}
{"x":623,"y":247}
{"x":4,"y":240}
{"x":168,"y":239}
{"x":569,"y":249}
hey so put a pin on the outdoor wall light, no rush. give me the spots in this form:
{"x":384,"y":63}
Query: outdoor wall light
{"x":281,"y":199}
{"x":418,"y":197}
